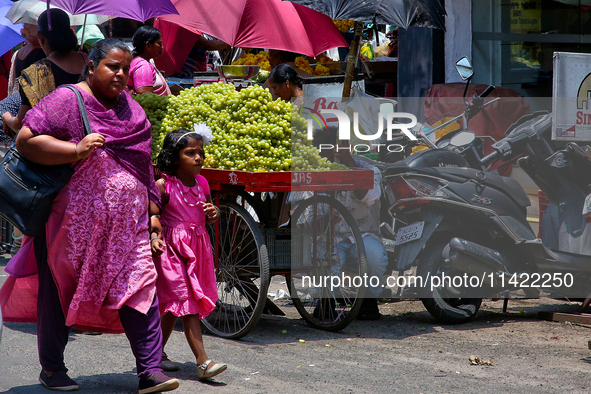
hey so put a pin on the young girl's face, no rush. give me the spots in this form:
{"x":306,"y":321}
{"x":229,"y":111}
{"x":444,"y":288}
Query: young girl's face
{"x":191,"y":157}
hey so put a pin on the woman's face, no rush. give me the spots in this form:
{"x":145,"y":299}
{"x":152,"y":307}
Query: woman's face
{"x":109,"y":77}
{"x":154,"y":50}
{"x":282,"y":90}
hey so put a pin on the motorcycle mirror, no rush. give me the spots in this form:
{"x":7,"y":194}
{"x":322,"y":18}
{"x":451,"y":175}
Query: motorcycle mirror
{"x":462,"y":138}
{"x":464,"y":68}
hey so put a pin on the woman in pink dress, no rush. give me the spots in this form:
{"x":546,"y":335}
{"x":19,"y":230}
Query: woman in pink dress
{"x":95,"y":269}
{"x":183,"y":257}
{"x":144,"y":78}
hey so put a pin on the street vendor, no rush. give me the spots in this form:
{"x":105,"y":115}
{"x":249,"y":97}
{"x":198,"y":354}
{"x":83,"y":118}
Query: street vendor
{"x":285,"y":83}
{"x":364,"y":205}
{"x":198,"y":58}
{"x":144,"y":78}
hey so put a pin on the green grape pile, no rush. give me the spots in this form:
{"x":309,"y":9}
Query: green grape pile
{"x":155,"y":107}
{"x":305,"y":156}
{"x":251,"y":132}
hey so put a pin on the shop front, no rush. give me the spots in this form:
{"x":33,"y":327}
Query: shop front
{"x":513,"y":41}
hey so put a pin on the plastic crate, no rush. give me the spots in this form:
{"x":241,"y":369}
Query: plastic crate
{"x":543,"y":204}
{"x":5,"y":234}
{"x":285,"y":247}
{"x":278,"y":247}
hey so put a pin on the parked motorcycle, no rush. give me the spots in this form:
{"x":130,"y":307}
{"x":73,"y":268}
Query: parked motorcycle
{"x":440,"y":153}
{"x":459,"y":222}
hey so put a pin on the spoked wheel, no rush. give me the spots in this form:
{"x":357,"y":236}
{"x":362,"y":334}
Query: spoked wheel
{"x":326,"y":245}
{"x":242,"y":272}
{"x":251,"y":203}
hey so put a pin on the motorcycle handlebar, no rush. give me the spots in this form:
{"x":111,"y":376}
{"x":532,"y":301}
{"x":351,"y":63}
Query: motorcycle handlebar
{"x":487,"y":91}
{"x":421,"y":138}
{"x":399,"y":139}
{"x":488,"y":158}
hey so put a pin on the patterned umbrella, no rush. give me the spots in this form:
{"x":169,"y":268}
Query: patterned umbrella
{"x":402,"y":13}
{"x":28,"y":11}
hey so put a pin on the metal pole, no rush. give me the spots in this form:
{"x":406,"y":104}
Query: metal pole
{"x":352,"y":59}
{"x":83,"y":29}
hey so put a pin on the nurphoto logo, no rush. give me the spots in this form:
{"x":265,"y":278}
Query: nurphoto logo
{"x":344,"y":129}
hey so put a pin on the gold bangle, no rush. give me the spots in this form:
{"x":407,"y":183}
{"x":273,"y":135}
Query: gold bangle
{"x":76,"y":150}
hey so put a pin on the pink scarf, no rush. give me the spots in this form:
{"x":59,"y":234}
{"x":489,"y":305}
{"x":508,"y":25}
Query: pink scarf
{"x":125,"y":126}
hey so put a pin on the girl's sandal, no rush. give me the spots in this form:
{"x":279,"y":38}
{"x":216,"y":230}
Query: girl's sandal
{"x":203,"y":373}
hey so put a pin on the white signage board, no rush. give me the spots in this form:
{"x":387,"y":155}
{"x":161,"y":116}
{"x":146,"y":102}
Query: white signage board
{"x":325,"y":95}
{"x":571,"y":97}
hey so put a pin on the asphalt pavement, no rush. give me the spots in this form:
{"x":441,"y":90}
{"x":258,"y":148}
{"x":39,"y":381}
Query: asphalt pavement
{"x":406,"y":351}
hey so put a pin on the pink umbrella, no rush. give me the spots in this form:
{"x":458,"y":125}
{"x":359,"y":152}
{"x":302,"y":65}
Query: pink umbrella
{"x":140,"y":10}
{"x":272,"y":24}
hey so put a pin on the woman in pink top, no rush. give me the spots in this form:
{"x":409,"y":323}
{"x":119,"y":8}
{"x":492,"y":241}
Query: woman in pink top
{"x":143,"y":76}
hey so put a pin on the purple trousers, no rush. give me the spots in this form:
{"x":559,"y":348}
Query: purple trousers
{"x":143,"y":331}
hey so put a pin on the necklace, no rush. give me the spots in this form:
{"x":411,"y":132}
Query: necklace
{"x":199,"y":194}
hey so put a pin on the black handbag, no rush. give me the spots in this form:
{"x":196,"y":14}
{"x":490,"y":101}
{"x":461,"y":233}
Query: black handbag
{"x":27,"y":189}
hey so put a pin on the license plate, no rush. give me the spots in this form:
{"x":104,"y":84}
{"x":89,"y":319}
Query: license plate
{"x":409,"y":233}
{"x":587,"y":205}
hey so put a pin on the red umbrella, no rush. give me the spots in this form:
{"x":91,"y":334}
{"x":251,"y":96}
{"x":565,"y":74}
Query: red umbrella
{"x":177,"y":43}
{"x":272,"y":24}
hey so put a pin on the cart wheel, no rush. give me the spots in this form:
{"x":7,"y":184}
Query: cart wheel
{"x":318,"y":225}
{"x":242,"y":272}
{"x":252,"y":204}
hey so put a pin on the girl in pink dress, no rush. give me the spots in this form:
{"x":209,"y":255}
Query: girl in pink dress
{"x":186,"y":283}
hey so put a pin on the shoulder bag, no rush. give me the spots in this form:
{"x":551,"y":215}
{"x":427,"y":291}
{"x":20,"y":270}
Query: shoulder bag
{"x":27,"y":189}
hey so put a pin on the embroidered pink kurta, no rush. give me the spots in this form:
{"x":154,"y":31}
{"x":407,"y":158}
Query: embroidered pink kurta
{"x":97,"y":248}
{"x":186,"y":277}
{"x":97,"y":234}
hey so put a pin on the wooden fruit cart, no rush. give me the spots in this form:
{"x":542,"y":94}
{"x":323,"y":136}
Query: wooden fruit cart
{"x":254,"y":240}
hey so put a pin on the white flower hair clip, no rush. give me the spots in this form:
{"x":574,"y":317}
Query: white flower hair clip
{"x":204,"y":131}
{"x":201,"y":129}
